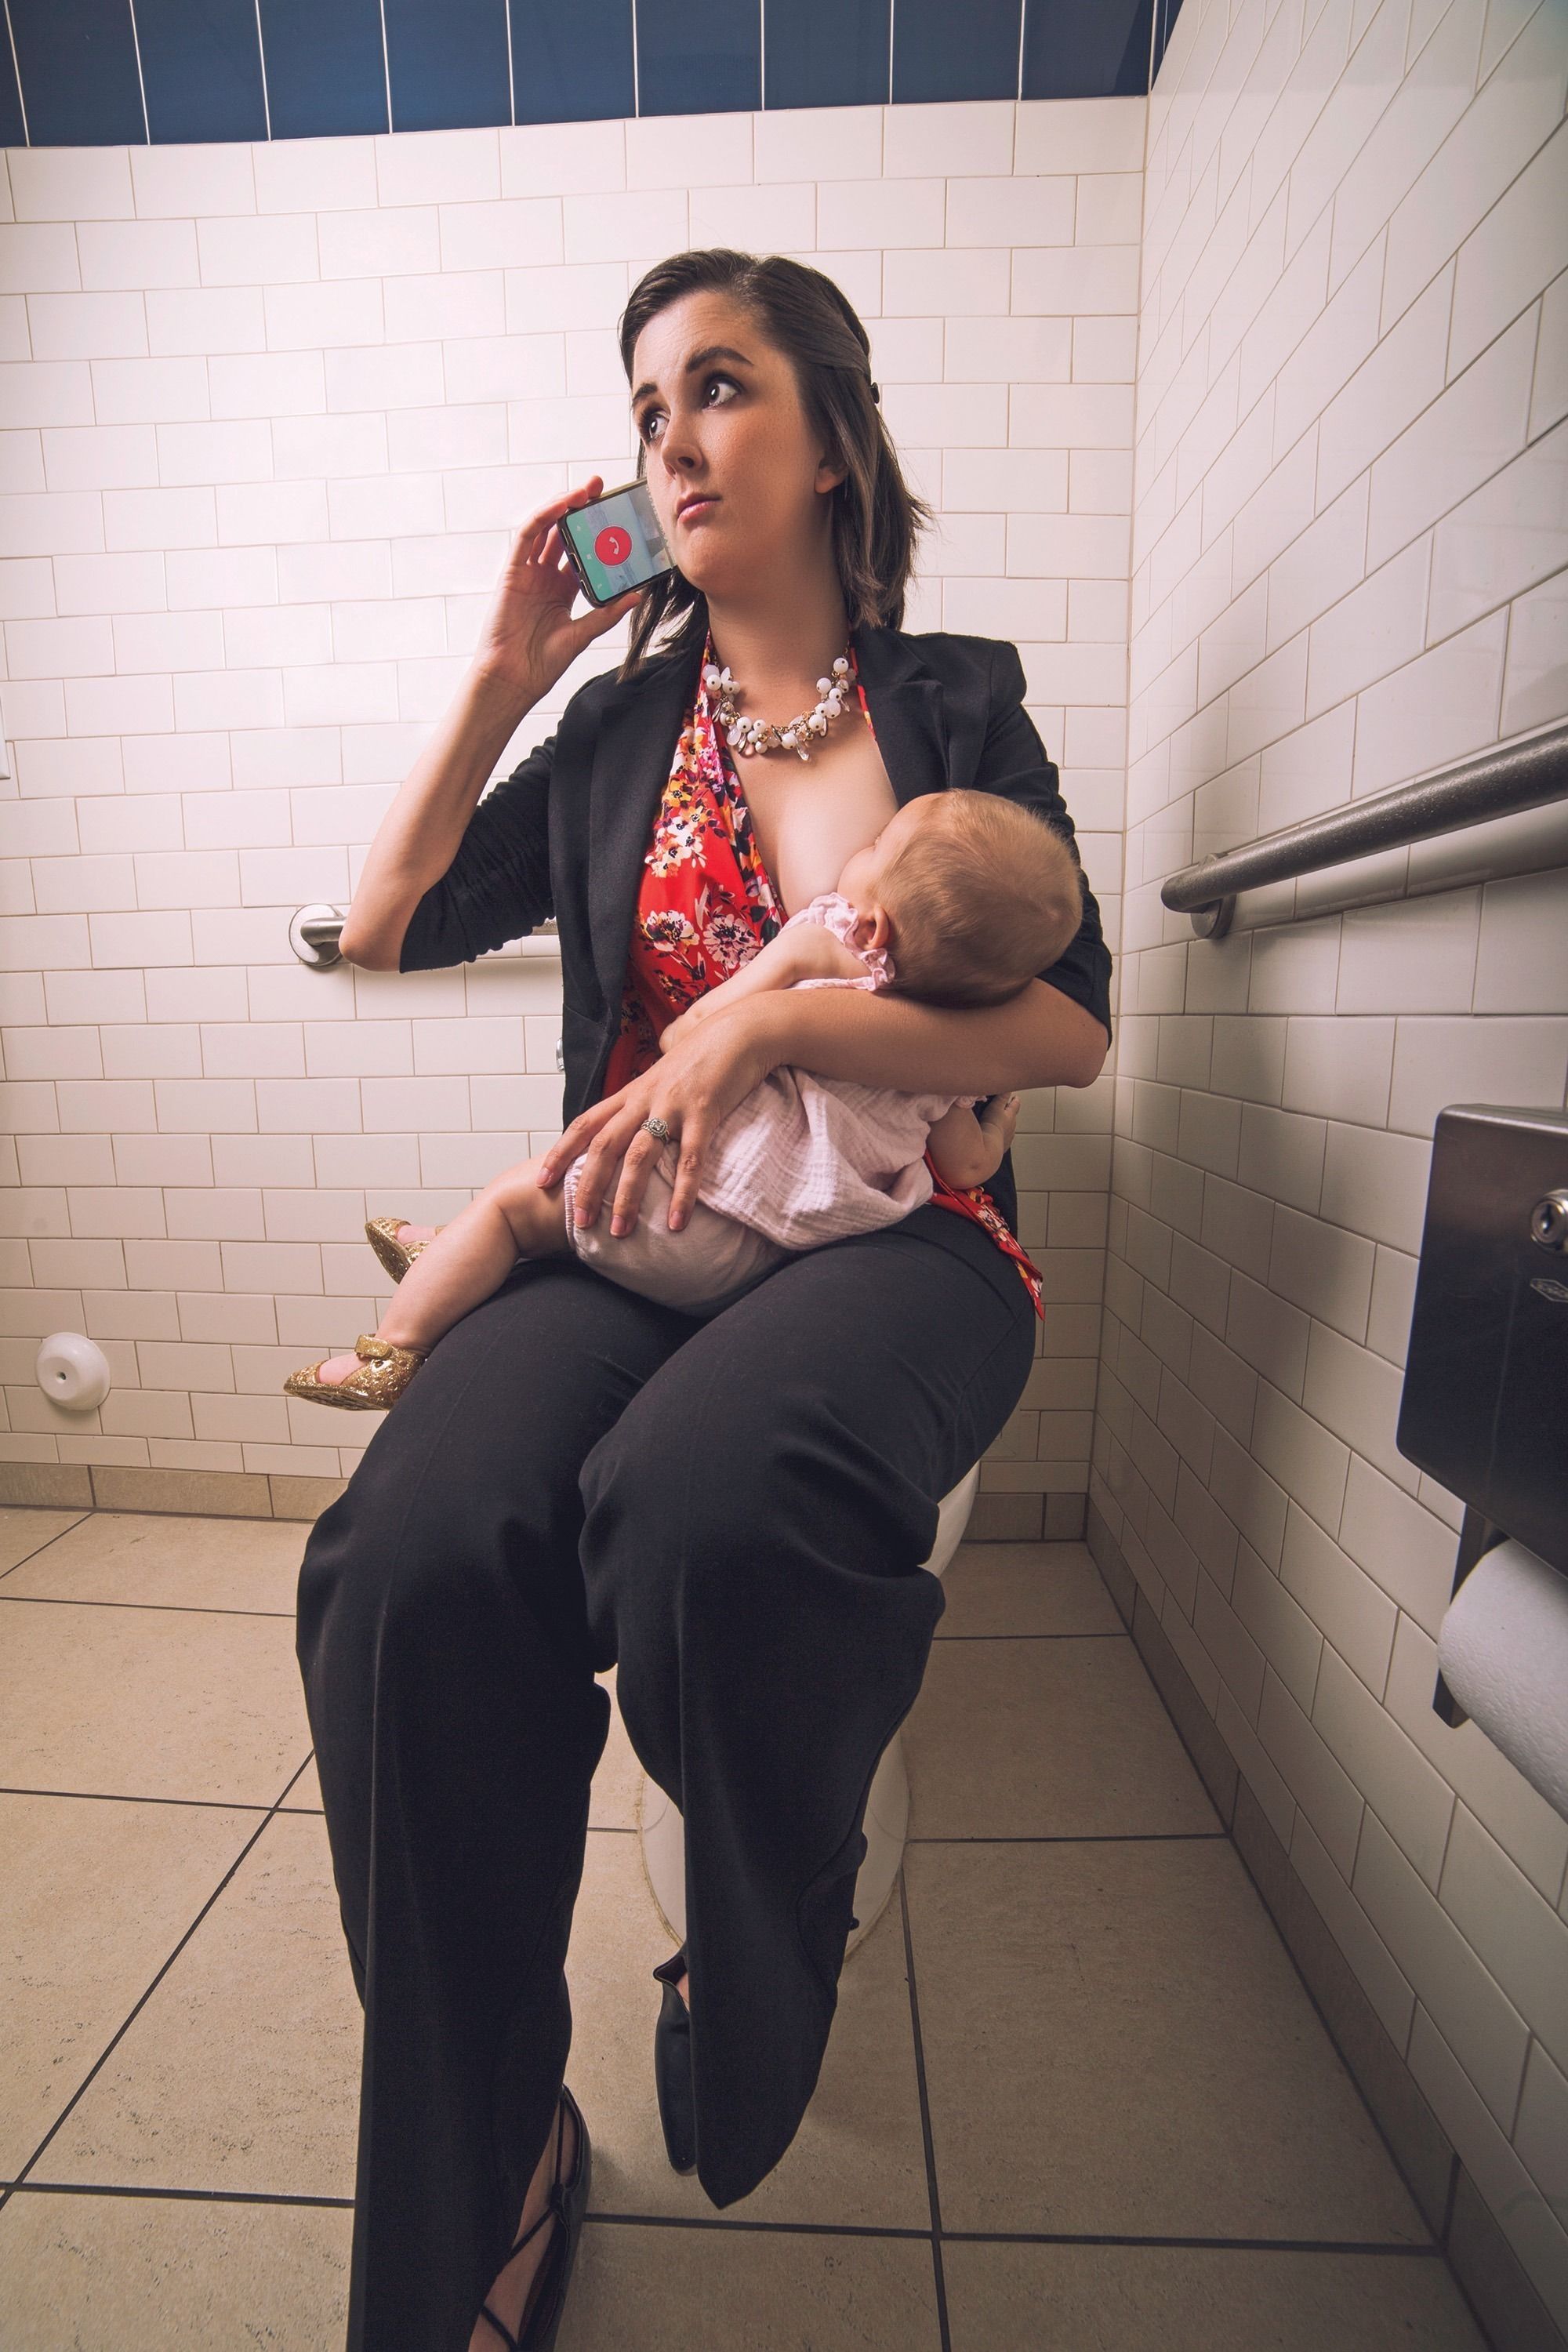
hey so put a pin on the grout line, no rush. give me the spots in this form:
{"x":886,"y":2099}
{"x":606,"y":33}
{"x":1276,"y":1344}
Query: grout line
{"x":261,"y":60}
{"x":16,"y":68}
{"x":1373,"y":2246}
{"x":175,"y":2196}
{"x":170,"y":1608}
{"x":765,"y":2228}
{"x":386,"y":76}
{"x":1237,"y":2245}
{"x":141,"y":78}
{"x":510,"y":66}
{"x":939,"y":2277}
{"x":636,"y":87}
{"x":1087,"y":1837}
{"x":1120,"y":1634}
{"x":43,"y":1546}
{"x":613,"y":1829}
{"x":607,"y":1829}
{"x":213,"y":1804}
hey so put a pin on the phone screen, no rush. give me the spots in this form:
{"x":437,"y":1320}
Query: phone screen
{"x":616,"y":541}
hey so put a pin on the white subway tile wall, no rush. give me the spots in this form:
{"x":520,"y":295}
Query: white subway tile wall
{"x":1349,"y":537}
{"x":267,"y":414}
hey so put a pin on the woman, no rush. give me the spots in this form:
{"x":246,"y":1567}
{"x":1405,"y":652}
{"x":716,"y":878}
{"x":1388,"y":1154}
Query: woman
{"x":731,"y":1509}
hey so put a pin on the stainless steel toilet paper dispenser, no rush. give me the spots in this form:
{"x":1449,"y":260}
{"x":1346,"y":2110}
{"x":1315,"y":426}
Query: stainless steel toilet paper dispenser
{"x":1485,"y":1402}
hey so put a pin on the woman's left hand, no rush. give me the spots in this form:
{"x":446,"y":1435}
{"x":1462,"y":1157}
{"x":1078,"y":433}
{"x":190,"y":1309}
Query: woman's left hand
{"x":692,"y":1089}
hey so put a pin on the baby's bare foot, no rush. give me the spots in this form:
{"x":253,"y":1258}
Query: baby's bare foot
{"x":336,"y":1368}
{"x":409,"y":1234}
{"x":514,"y":2293}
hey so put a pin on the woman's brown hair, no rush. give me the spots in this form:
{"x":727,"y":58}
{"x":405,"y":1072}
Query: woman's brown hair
{"x":876,"y":516}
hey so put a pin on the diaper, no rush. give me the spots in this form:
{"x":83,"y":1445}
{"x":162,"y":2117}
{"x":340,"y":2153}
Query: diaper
{"x":711,"y":1259}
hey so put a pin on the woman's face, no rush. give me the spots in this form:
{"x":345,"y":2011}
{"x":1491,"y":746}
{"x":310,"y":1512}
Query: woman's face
{"x":740,"y":483}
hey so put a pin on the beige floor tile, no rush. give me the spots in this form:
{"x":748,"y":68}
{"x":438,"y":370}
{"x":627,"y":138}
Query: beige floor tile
{"x":1190,"y":2299}
{"x":1115,"y":2041}
{"x":1020,"y":1738}
{"x":153,"y":2274}
{"x":858,"y":2157}
{"x":612,"y":1800}
{"x":664,"y":2290}
{"x":76,"y":1963}
{"x":179,"y":1563}
{"x":22,"y":1533}
{"x":148,"y":1702}
{"x":242,"y":2070}
{"x":1026,"y":1587}
{"x":305,"y":1795}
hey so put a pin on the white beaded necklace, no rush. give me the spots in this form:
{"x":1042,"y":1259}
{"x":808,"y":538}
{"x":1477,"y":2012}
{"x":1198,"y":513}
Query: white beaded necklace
{"x":750,"y":735}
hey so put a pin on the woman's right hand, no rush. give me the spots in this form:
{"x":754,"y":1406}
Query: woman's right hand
{"x":529,"y":637}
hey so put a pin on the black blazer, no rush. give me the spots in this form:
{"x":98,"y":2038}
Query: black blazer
{"x":566,"y":832}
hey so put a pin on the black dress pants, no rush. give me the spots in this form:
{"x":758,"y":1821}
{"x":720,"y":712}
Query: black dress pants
{"x":732,"y":1511}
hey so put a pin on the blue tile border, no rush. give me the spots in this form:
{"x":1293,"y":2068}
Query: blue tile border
{"x":945,"y":51}
{"x":326,"y":67}
{"x":201,"y":68}
{"x":698,"y":57}
{"x":827,"y":52}
{"x":80,"y":82}
{"x":446,"y":64}
{"x":1102,"y":51}
{"x":572,"y":63}
{"x":254,"y":69}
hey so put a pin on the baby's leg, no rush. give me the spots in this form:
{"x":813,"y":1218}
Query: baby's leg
{"x":469,"y":1259}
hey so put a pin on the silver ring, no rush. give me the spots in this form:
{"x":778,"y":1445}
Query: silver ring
{"x":656,"y":1126}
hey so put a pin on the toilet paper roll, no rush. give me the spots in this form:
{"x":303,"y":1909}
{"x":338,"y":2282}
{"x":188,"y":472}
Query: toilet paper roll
{"x":1503,"y":1651}
{"x":72,"y":1371}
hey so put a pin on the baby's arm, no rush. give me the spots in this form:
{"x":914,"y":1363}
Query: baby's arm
{"x":969,"y":1146}
{"x":800,"y":952}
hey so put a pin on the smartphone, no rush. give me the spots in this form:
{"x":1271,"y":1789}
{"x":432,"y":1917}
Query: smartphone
{"x":616,"y":543}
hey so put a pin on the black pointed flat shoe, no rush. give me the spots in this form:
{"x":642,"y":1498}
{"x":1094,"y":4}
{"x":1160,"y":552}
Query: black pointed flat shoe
{"x":672,"y":2068}
{"x":568,"y":2203}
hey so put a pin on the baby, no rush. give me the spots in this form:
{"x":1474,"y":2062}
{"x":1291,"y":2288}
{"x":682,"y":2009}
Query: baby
{"x":961,"y":899}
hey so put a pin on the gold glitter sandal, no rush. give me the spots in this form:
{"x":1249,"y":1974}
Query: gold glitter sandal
{"x":396,"y":1256}
{"x":387,"y":1370}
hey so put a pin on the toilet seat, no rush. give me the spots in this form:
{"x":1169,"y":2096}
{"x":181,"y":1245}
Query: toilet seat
{"x":662,"y":1832}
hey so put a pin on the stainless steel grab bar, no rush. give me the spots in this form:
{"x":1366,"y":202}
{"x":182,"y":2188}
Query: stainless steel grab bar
{"x":1503,"y":783}
{"x":314,"y":933}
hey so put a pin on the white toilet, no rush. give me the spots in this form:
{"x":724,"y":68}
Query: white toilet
{"x":663,"y":1832}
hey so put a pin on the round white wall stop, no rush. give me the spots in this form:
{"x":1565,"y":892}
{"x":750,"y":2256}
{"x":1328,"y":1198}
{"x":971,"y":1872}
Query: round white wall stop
{"x":73,"y":1372}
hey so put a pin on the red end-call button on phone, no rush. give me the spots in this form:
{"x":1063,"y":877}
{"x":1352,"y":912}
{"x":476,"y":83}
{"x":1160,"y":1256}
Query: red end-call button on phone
{"x":612,"y":544}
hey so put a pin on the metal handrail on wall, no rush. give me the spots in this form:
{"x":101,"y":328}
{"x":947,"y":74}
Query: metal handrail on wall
{"x":315,"y":932}
{"x":1505,"y":782}
{"x":1527,"y":775}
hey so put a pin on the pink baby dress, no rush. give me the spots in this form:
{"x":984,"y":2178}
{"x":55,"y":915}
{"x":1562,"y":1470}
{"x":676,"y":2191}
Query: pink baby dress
{"x":807,"y":1160}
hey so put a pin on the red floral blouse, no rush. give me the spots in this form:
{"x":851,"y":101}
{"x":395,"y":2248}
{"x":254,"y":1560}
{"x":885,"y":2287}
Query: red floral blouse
{"x":705,"y":907}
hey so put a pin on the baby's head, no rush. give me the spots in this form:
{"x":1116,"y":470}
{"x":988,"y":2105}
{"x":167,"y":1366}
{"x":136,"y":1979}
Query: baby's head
{"x":977,"y":895}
